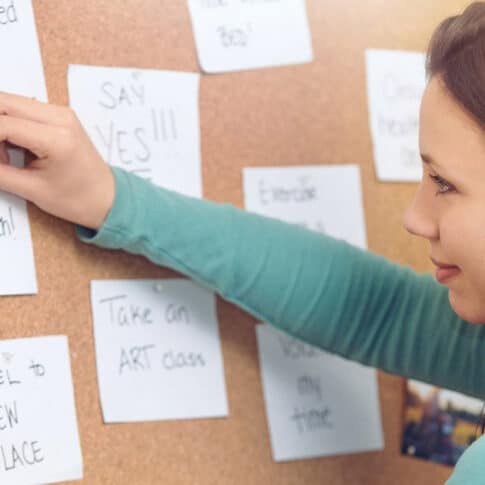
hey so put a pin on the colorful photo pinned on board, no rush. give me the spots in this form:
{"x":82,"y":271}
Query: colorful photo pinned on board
{"x":439,"y":424}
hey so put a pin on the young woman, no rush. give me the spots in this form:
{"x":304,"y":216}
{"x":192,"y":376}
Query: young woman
{"x":319,"y":289}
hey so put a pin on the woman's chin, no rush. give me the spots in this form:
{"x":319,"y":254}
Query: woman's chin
{"x":468,"y":309}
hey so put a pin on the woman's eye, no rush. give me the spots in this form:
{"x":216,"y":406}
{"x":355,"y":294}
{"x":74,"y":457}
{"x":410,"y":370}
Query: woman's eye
{"x":443,"y":186}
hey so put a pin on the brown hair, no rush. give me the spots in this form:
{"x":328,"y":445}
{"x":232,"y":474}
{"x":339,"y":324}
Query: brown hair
{"x":456,"y":53}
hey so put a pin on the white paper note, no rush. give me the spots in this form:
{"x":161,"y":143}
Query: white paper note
{"x":22,"y":71}
{"x":39,"y":440}
{"x":145,"y":121}
{"x":17,"y":268}
{"x":395,"y":84}
{"x":158,"y":351}
{"x":317,"y":404}
{"x":325,"y":199}
{"x":244,"y":34}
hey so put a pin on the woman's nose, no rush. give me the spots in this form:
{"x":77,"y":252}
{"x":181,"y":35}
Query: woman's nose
{"x":419,"y":218}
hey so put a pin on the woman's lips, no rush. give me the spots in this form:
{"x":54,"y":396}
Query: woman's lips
{"x":445,"y":271}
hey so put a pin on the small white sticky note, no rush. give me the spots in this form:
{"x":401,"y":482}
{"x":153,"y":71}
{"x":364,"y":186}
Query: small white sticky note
{"x":144,"y":121}
{"x":22,"y":71}
{"x":317,"y":404}
{"x":158,"y":351}
{"x":395,"y":84}
{"x":232,"y":35}
{"x":327,"y":199}
{"x":39,"y":440}
{"x":17,"y":275}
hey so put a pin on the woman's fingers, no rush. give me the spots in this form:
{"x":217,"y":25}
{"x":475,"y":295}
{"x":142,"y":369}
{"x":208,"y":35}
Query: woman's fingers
{"x":33,"y":110}
{"x":67,"y":178}
{"x":18,"y":181}
{"x":37,"y":138}
{"x":34,"y":136}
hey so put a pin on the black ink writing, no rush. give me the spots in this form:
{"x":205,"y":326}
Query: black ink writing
{"x":15,"y":456}
{"x":37,"y":369}
{"x":133,"y":147}
{"x":398,"y":128}
{"x":177,"y":314}
{"x":127,"y":314}
{"x":135,"y":359}
{"x":164,"y":125}
{"x":6,"y":379}
{"x":9,"y":416}
{"x":114,"y":96}
{"x":410,"y":157}
{"x":129,"y":146}
{"x":7,"y":224}
{"x":393,"y":89}
{"x":313,"y":419}
{"x":301,"y":192}
{"x":234,"y":36}
{"x":8,"y":14}
{"x":177,"y":360}
{"x":296,"y":349}
{"x":309,"y":386}
{"x":316,"y":226}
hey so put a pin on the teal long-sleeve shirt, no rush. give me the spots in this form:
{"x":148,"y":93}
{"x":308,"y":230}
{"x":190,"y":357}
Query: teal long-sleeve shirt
{"x":319,"y":289}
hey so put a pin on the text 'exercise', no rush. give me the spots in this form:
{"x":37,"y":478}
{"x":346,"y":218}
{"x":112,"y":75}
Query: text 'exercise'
{"x":325,"y":199}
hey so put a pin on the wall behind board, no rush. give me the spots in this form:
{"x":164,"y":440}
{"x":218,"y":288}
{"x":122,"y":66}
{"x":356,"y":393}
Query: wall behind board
{"x":308,"y":114}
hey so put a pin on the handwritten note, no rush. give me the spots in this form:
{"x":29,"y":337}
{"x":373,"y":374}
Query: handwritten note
{"x":157,"y":350}
{"x":17,"y":268}
{"x":39,"y":441}
{"x":317,"y":404}
{"x":325,"y":199}
{"x":233,"y":35}
{"x":22,"y":71}
{"x":145,"y":121}
{"x":395,"y":85}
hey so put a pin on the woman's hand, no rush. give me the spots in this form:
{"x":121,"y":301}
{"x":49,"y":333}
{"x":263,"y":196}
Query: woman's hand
{"x":67,"y":177}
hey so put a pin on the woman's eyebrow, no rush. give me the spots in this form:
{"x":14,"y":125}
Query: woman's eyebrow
{"x":443,"y":169}
{"x":427,"y":159}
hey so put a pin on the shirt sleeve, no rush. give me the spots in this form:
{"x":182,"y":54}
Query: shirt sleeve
{"x":319,"y":289}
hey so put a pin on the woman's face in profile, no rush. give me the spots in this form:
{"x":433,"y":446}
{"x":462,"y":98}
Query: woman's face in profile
{"x":449,"y":206}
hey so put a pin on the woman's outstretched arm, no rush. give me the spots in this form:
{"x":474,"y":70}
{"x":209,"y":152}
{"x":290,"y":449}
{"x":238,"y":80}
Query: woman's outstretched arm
{"x":321,"y":290}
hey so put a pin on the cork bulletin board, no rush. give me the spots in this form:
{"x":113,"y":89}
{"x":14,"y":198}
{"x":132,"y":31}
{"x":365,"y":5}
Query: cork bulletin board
{"x":307,"y":114}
